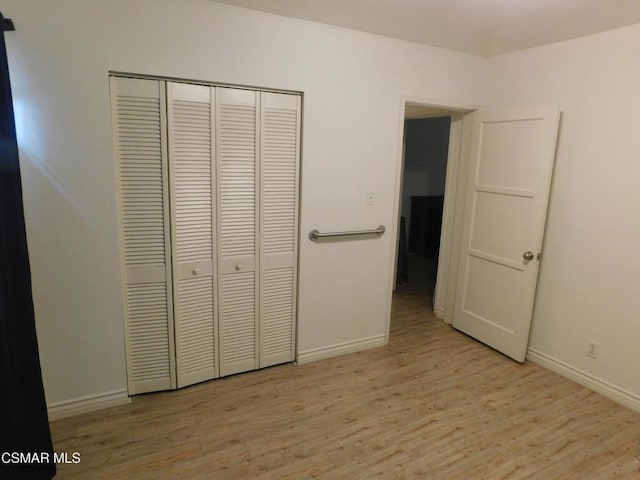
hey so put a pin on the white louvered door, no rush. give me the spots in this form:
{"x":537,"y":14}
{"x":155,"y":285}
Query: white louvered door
{"x":139,"y":124}
{"x":192,"y":179}
{"x":209,"y":229}
{"x":236,"y":155}
{"x":279,"y":156}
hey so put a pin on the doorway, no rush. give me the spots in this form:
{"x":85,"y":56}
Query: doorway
{"x":430,"y":171}
{"x":423,"y":183}
{"x":424,"y":166}
{"x":489,"y":187}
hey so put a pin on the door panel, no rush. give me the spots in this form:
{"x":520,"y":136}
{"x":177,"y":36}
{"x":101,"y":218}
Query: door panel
{"x":238,"y":323}
{"x":141,"y":150}
{"x":279,"y":154}
{"x":190,"y":117}
{"x":492,"y":213}
{"x":237,"y":151}
{"x":510,"y":166}
{"x":502,"y":142}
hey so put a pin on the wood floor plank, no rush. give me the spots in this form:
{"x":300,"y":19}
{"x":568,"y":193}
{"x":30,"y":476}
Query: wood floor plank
{"x":433,"y":404}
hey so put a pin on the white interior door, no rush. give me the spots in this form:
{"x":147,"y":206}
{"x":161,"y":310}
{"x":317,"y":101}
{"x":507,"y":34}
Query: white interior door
{"x":190,"y":117}
{"x":139,"y":125}
{"x":279,"y":162}
{"x":209,"y":197}
{"x":237,"y":152}
{"x":510,"y":167}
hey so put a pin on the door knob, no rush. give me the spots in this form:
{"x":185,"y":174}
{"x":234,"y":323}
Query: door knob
{"x":238,"y":266}
{"x":195,"y":271}
{"x":528,"y":256}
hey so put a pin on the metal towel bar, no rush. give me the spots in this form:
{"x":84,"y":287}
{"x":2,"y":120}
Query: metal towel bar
{"x":315,"y":234}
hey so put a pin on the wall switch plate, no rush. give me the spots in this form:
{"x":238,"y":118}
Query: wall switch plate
{"x":371,"y":198}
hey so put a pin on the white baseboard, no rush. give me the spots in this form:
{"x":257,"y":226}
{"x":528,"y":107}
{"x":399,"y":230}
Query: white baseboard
{"x":617,"y":394}
{"x":321,"y":353}
{"x":439,"y":312}
{"x":76,"y":406}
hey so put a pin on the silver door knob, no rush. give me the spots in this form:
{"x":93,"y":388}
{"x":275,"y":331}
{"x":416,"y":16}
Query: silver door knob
{"x":528,"y":256}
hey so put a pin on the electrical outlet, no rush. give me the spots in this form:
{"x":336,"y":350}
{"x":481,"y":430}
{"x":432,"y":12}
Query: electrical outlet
{"x":592,"y":349}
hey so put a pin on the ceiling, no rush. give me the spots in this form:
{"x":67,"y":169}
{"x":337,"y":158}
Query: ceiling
{"x":481,"y":27}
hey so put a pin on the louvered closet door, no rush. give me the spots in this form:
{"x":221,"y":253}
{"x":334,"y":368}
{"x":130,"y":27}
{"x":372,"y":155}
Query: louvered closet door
{"x":139,"y":128}
{"x":192,"y":180}
{"x":237,"y":144}
{"x":280,"y":132}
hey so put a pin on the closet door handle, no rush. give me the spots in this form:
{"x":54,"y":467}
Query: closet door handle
{"x":195,"y":271}
{"x":238,"y":266}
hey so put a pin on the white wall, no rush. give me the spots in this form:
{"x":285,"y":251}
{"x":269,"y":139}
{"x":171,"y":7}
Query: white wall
{"x":353,"y":83}
{"x":589,"y":284}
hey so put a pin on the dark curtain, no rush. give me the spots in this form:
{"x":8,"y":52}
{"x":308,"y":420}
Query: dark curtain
{"x":24,"y":426}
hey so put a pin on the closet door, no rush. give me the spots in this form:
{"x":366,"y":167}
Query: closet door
{"x":140,"y":142}
{"x":279,"y":155}
{"x":192,"y":180}
{"x":236,"y":153}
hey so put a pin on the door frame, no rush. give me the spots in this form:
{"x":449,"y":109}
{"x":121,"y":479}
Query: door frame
{"x":457,"y":167}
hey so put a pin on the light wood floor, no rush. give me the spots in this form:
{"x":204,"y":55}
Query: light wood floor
{"x":433,"y":404}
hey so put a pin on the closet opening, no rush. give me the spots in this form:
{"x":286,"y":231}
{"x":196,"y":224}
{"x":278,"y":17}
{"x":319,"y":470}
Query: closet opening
{"x":208,"y":188}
